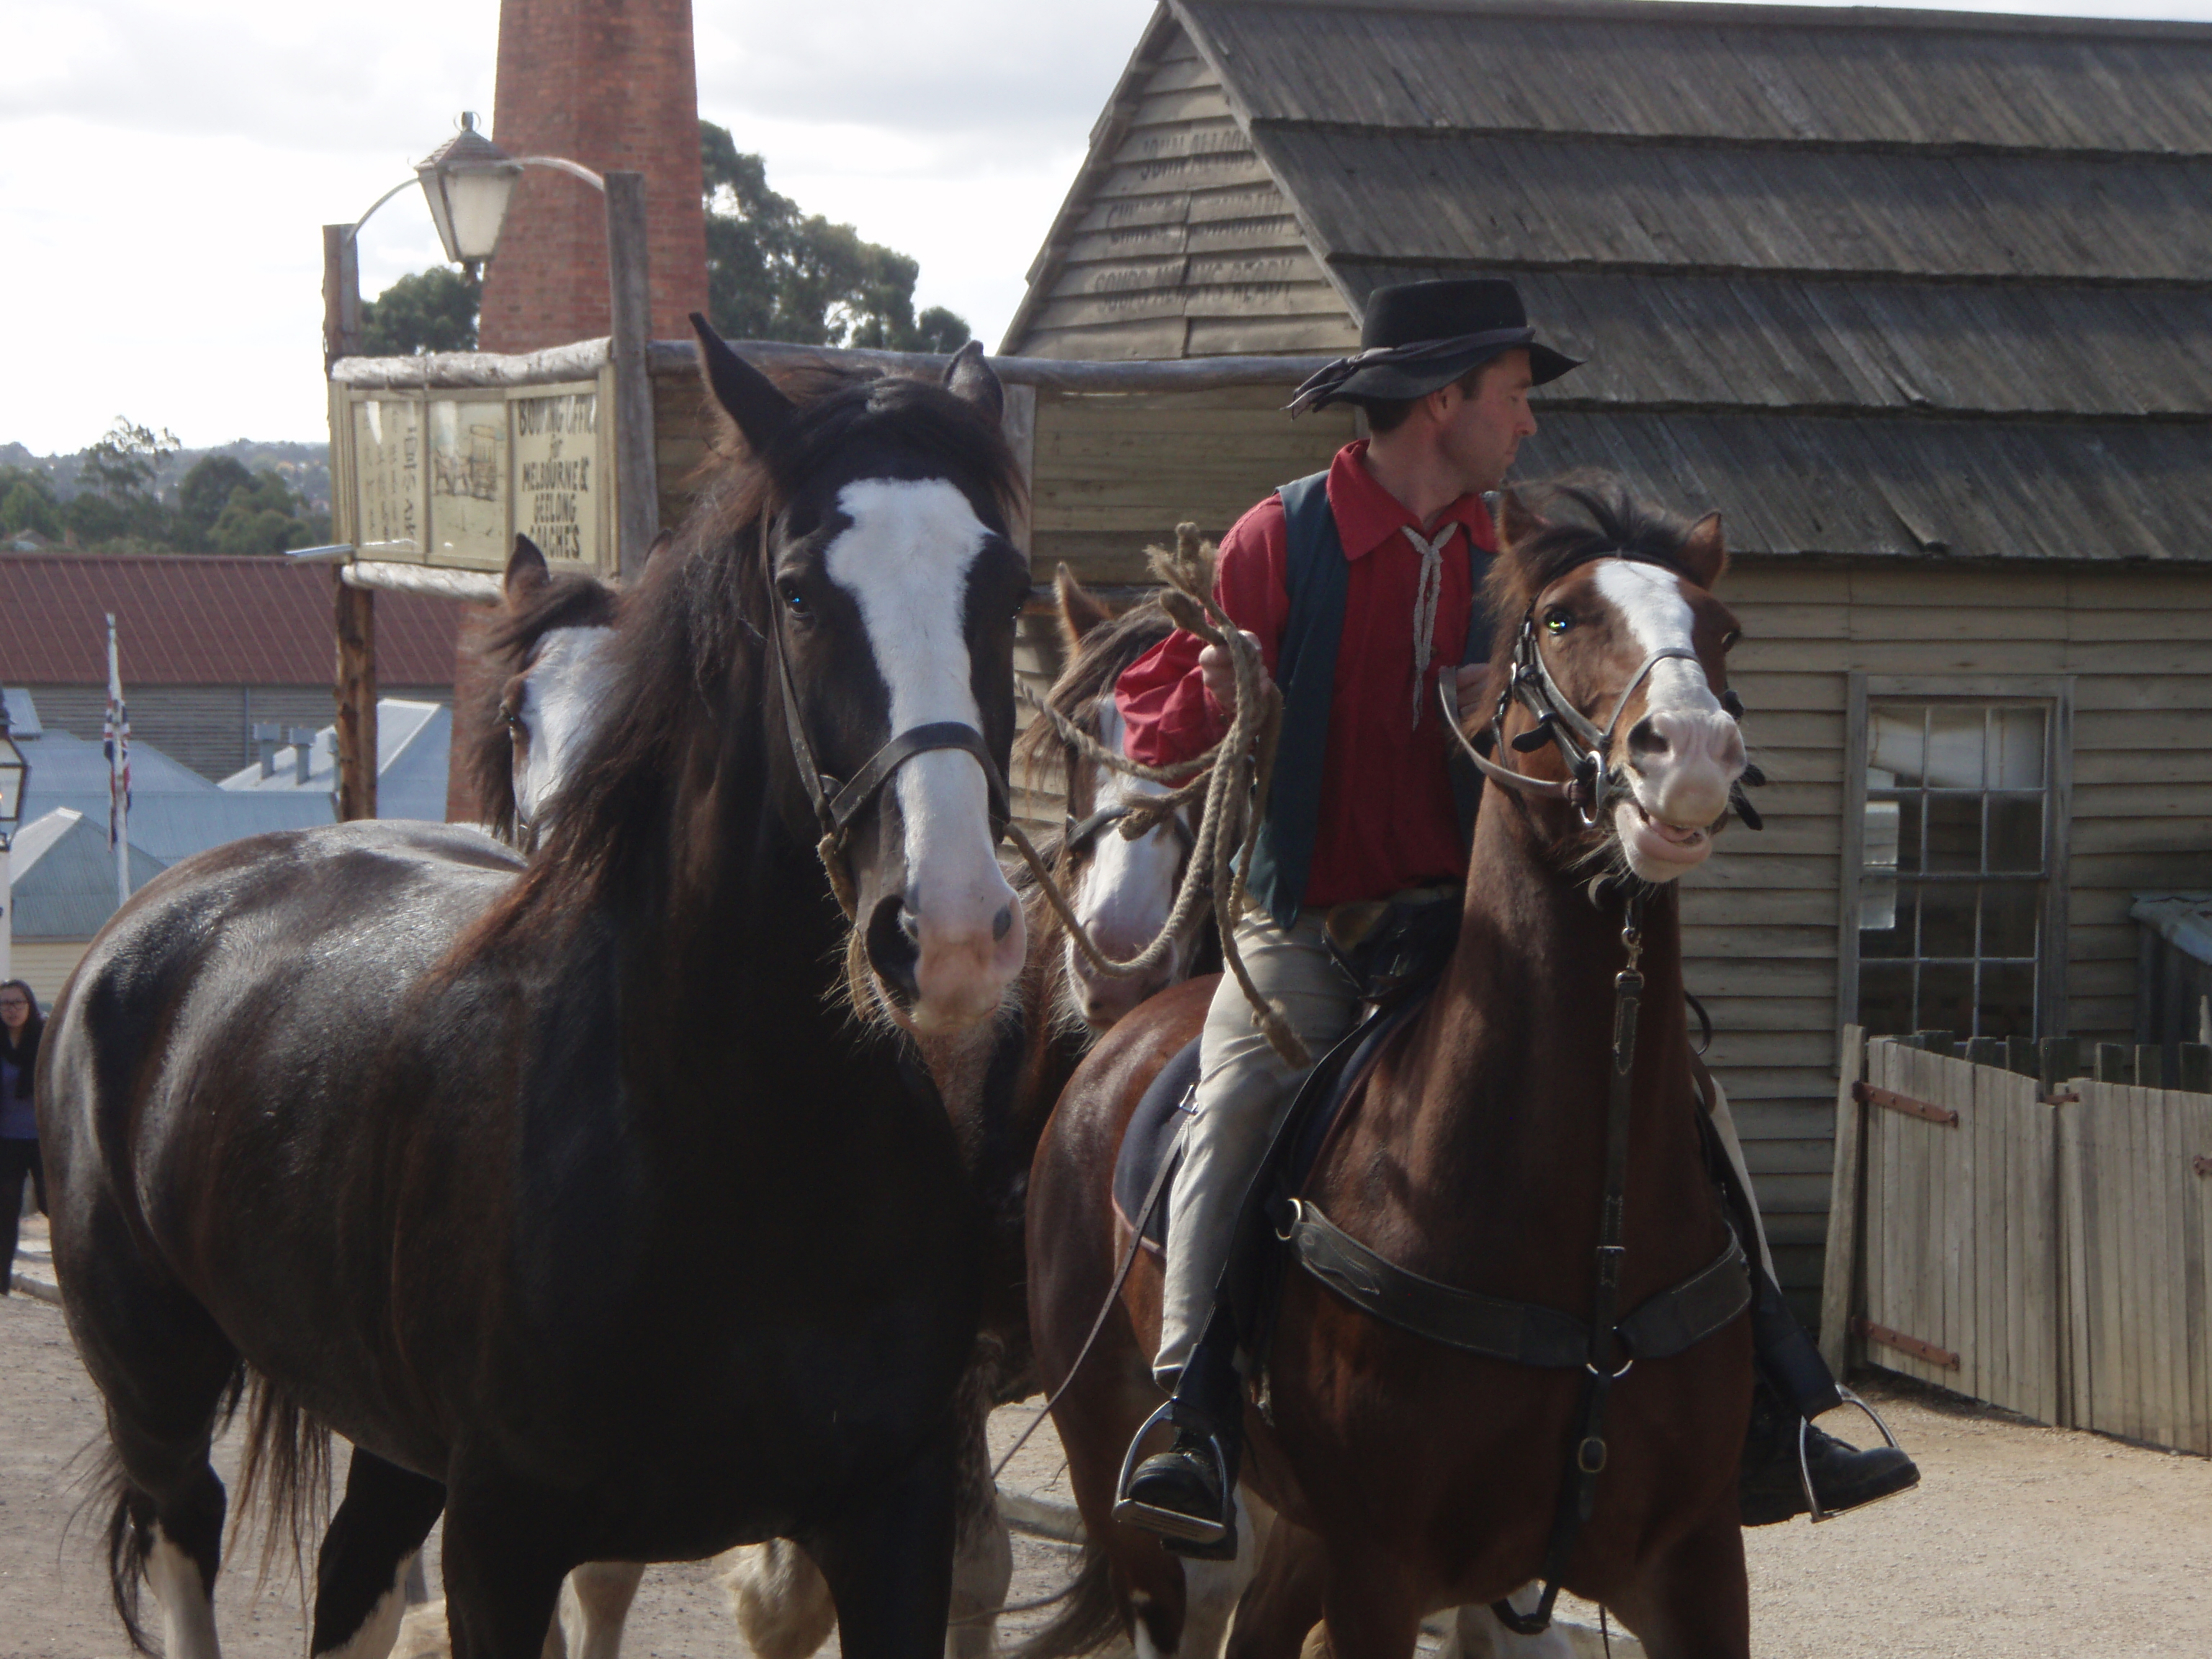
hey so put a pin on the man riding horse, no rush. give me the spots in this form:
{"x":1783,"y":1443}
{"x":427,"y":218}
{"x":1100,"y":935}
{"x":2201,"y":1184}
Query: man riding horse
{"x":1361,"y":587}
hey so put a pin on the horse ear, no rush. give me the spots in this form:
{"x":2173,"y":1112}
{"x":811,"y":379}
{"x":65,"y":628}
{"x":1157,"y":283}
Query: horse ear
{"x":1704,"y":552}
{"x":747,"y":395}
{"x":1516,"y":521}
{"x":968,"y":376}
{"x":1080,"y":610}
{"x":660,"y":545}
{"x":526,"y":573}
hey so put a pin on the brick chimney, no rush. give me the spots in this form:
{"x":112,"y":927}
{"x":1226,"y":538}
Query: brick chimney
{"x":610,"y":83}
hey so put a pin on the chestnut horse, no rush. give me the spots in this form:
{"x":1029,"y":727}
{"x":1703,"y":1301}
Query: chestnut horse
{"x":1407,"y":1475}
{"x":575,"y":1201}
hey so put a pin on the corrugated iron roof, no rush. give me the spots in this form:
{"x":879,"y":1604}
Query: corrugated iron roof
{"x":185,"y":619}
{"x":1870,"y":281}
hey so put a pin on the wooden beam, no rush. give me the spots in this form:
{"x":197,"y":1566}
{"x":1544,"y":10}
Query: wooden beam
{"x":340,"y":294}
{"x":637,"y":488}
{"x":1840,"y":1269}
{"x":581,"y":360}
{"x":356,"y":618}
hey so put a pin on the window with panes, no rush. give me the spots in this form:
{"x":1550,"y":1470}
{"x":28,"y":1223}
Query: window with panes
{"x":1956,"y":856}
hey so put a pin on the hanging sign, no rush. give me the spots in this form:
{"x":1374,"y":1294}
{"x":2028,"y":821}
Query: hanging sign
{"x":559,"y":483}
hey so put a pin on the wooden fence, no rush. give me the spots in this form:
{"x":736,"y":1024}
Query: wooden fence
{"x":2035,"y":1240}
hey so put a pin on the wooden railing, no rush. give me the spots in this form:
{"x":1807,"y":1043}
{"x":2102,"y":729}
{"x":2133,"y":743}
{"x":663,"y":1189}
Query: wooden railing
{"x":2025,"y":1235}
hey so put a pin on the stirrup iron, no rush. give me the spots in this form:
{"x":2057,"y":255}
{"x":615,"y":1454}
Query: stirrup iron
{"x":1172,"y":1523}
{"x":1805,"y":1468}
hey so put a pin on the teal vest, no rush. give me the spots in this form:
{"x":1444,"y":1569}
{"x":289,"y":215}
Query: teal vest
{"x":1315,"y":575}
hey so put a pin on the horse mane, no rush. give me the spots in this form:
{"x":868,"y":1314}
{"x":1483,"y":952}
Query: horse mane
{"x":692,"y":630}
{"x":1090,"y":674}
{"x":571,"y":599}
{"x":1559,"y":524}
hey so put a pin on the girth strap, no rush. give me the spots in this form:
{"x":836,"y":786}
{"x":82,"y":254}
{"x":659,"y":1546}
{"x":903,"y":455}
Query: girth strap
{"x":1520,"y":1333}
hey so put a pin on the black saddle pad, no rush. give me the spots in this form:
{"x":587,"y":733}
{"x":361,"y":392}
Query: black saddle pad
{"x":1151,"y":1137}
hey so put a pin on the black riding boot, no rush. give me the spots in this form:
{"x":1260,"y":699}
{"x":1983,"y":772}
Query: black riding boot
{"x":1794,"y":1387}
{"x":1187,"y":1495}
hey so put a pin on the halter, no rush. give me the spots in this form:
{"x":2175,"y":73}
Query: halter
{"x":837,"y":802}
{"x":1582,"y":744}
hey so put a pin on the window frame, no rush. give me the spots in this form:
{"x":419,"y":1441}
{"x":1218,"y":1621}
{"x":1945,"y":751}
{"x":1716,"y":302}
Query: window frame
{"x":2055,"y":693}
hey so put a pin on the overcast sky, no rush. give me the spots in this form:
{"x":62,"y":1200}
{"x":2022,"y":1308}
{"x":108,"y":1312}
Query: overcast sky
{"x":165,"y":166}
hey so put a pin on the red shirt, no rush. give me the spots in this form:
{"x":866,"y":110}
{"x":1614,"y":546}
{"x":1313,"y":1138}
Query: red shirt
{"x":1387,"y":816}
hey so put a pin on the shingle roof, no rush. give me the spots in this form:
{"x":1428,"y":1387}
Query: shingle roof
{"x":1870,"y":281}
{"x":188,"y":620}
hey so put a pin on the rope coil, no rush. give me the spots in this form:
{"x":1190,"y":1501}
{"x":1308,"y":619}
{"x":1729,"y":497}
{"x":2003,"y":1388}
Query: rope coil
{"x":1233,"y":778}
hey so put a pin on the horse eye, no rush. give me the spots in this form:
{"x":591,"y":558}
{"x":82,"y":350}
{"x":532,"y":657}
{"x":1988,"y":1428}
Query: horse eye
{"x":797,"y":601}
{"x":1729,"y":638}
{"x":1559,"y":621}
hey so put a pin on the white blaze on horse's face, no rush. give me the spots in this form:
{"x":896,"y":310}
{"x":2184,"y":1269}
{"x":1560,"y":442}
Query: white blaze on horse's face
{"x":1682,"y":755}
{"x":1126,"y":893}
{"x":564,"y":694}
{"x":905,"y":560}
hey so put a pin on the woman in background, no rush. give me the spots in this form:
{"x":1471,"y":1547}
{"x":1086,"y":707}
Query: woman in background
{"x":21,"y":1022}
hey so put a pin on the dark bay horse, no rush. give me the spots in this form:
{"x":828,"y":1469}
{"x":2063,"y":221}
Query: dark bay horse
{"x":575,"y":1200}
{"x":1408,"y":1476}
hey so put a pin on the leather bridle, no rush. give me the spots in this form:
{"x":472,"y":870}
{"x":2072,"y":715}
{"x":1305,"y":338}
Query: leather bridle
{"x":837,"y":802}
{"x":1595,"y":783}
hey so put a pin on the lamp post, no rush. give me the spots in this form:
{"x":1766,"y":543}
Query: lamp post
{"x":14,"y":772}
{"x":467,"y":182}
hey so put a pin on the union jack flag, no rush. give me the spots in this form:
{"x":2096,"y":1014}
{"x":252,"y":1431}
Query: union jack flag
{"x":115,"y":742}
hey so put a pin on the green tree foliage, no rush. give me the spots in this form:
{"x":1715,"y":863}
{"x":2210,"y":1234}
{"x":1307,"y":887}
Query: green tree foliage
{"x":264,"y":516}
{"x":776,"y":273}
{"x":433,"y":310}
{"x":123,"y":463}
{"x":201,"y":498}
{"x":26,"y":502}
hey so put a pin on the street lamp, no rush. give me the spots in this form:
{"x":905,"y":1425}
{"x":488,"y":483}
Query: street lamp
{"x":466,"y":180}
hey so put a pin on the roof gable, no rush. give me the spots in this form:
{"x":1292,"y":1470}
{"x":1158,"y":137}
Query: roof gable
{"x":1868,"y":281}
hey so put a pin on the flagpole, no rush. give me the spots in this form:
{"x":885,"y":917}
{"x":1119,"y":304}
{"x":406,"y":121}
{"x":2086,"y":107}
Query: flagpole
{"x":118,"y":770}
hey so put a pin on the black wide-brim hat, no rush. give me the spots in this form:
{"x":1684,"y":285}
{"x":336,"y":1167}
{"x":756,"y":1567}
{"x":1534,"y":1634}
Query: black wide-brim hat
{"x":1417,"y":338}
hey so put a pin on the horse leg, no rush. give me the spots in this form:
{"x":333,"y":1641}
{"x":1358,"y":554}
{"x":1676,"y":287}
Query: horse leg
{"x":1282,"y":1603}
{"x":1367,"y":1612}
{"x":163,"y":1367}
{"x":782,"y":1606}
{"x":599,"y":1595}
{"x":1211,"y":1589}
{"x":361,"y":1569}
{"x":1693,"y":1602}
{"x":888,"y":1563}
{"x":982,"y":1554}
{"x":1477,"y":1633}
{"x":503,"y":1568}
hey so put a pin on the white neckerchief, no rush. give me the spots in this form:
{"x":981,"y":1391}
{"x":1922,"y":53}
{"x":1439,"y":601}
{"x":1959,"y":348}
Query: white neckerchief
{"x":1426,"y":594}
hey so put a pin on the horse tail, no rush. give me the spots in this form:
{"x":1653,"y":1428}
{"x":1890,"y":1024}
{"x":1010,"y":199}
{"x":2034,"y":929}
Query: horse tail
{"x":1089,"y":1615}
{"x":286,"y":1464}
{"x":130,"y":1540}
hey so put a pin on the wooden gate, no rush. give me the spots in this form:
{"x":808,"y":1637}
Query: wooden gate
{"x":2137,"y":1187}
{"x":1961,"y":1237}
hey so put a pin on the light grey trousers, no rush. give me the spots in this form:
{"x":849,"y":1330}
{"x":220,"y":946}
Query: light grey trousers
{"x":1244,"y":1088}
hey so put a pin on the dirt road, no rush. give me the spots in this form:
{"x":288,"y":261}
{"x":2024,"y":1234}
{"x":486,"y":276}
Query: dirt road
{"x":2022,"y":1542}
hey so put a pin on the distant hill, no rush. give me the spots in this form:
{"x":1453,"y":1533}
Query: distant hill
{"x":305,"y":467}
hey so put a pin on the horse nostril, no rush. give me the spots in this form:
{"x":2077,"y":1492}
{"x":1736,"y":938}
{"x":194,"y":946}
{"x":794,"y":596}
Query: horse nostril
{"x":893,"y":948}
{"x":1644,"y":738}
{"x":1002,"y":924}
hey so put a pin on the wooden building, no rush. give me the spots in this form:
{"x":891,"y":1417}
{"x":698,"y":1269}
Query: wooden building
{"x":1922,"y":302}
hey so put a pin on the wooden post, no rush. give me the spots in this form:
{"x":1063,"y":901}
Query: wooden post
{"x":353,"y":688}
{"x":356,"y":699}
{"x":2150,"y":1066}
{"x":2193,"y":1074}
{"x":2115,"y":1063}
{"x":1986,"y":1051}
{"x":1840,"y":1266}
{"x":637,"y":486}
